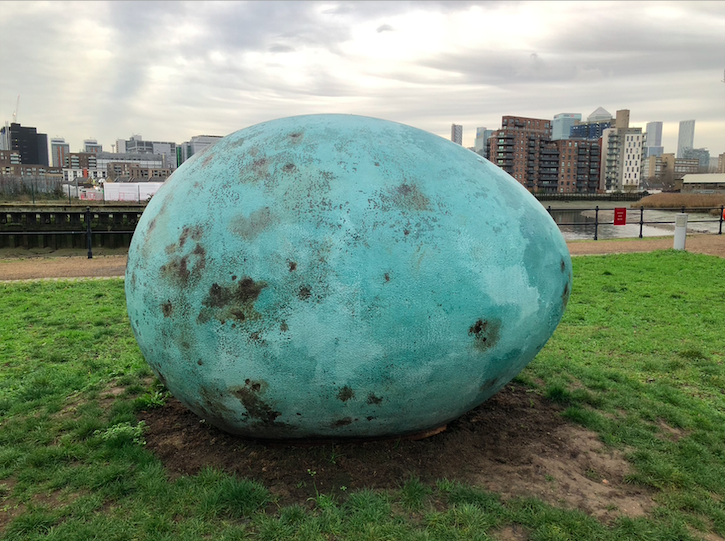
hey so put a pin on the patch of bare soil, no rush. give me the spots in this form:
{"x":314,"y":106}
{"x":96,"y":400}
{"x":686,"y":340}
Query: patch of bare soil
{"x":9,"y":508}
{"x":516,"y":444}
{"x":698,"y":244}
{"x":15,"y":266}
{"x":33,"y":268}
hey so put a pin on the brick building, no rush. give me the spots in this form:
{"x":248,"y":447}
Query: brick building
{"x":579,"y":161}
{"x":523,"y":148}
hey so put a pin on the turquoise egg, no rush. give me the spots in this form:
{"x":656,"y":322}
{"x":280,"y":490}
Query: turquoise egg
{"x":338,"y":276}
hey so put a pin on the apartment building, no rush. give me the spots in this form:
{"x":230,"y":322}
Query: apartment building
{"x":621,"y":164}
{"x":31,"y":145}
{"x":196,"y":144}
{"x":457,"y":134}
{"x":579,"y":162}
{"x":81,"y":160}
{"x":59,"y":151}
{"x":136,"y":145}
{"x":135,"y":172}
{"x":524,"y":149}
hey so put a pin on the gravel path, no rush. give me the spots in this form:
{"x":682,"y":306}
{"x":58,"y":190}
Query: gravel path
{"x":79,"y":266}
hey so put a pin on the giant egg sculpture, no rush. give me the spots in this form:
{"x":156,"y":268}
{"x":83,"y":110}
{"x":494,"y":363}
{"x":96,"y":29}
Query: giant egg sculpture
{"x":337,"y":276}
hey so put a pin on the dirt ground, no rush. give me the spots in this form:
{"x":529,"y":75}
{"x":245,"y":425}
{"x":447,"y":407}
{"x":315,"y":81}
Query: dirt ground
{"x":516,"y":443}
{"x":23,"y":265}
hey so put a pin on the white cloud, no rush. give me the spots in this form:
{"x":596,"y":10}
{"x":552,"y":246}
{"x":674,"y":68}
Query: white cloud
{"x":173,"y":70}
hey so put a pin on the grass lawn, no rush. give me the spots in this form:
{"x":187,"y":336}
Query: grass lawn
{"x":638,"y":359}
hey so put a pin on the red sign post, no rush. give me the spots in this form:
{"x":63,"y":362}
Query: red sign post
{"x":620,"y":216}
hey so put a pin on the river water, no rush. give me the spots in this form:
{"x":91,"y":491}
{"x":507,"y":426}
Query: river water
{"x":578,"y":223}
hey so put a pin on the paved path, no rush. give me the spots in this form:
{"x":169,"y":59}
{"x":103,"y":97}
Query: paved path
{"x":50,"y":267}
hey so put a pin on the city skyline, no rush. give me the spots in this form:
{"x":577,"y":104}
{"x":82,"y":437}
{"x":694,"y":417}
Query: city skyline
{"x":171,"y":71}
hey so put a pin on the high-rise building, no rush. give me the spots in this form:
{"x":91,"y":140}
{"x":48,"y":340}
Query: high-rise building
{"x":136,"y":145}
{"x":594,"y":126}
{"x":562,"y":124}
{"x":579,"y":161}
{"x":702,"y":155}
{"x":81,"y":160}
{"x":480,"y":145}
{"x":685,"y":137}
{"x":523,"y":148}
{"x":195,"y":145}
{"x":600,"y":114}
{"x":457,"y":134}
{"x":653,"y":144}
{"x":59,"y":151}
{"x":91,"y":145}
{"x":591,"y":131}
{"x":31,"y":145}
{"x":621,"y":164}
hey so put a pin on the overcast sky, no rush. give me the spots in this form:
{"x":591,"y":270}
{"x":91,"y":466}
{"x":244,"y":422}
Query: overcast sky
{"x":169,"y":71}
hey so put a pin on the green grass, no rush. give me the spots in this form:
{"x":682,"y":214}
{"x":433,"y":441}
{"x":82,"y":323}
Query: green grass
{"x":638,"y":359}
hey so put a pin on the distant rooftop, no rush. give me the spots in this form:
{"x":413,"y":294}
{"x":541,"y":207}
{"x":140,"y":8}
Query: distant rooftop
{"x":600,"y":115}
{"x":127,"y":156}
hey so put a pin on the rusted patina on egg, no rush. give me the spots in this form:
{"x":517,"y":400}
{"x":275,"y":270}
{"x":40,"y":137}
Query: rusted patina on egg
{"x":336,"y":276}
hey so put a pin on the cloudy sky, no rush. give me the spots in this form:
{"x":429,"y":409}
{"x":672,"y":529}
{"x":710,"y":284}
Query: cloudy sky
{"x":168,"y":71}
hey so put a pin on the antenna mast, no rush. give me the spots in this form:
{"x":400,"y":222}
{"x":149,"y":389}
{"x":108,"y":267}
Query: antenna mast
{"x":17,"y":106}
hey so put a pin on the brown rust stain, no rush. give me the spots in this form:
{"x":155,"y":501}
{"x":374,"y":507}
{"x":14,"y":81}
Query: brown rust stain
{"x":289,"y":167}
{"x":233,"y":302}
{"x":304,"y":293}
{"x":283,"y":327}
{"x":246,"y":291}
{"x":408,"y":196}
{"x":213,"y":405}
{"x":292,"y":265}
{"x":565,"y":295}
{"x":194,"y":232}
{"x":237,"y":314}
{"x":563,"y":266}
{"x":177,"y":270}
{"x":296,"y":137}
{"x":251,"y":398}
{"x":387,"y":277}
{"x":342,"y":422}
{"x":485,"y":333}
{"x":346,"y":393}
{"x":250,"y":228}
{"x":374,"y":400}
{"x":167,"y":309}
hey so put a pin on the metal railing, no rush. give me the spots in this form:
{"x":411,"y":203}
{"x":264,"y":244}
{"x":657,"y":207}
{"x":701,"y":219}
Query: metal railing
{"x":642,"y":222}
{"x":72,"y":224}
{"x":82,"y":223}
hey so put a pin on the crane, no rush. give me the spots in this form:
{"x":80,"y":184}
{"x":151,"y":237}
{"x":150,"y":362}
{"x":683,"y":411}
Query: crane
{"x":17,"y":106}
